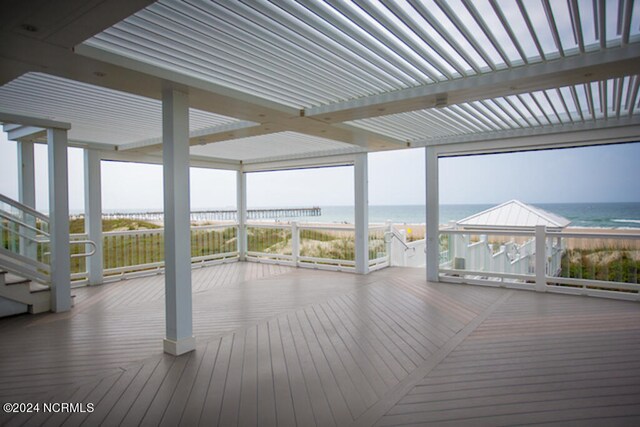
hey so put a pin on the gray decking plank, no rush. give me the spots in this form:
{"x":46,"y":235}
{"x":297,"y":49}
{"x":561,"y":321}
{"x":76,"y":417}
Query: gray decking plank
{"x":196,"y":396}
{"x":285,"y":415}
{"x":301,"y":401}
{"x":320,"y":405}
{"x":265,"y":388}
{"x":248,"y":415}
{"x":335,"y":398}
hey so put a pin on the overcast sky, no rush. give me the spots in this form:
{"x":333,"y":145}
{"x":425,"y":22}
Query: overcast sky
{"x":592,"y":174}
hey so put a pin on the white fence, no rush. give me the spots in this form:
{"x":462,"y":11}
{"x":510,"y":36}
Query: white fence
{"x":564,"y":262}
{"x":327,"y":247}
{"x":139,"y":252}
{"x":136,"y":252}
{"x":578,"y":263}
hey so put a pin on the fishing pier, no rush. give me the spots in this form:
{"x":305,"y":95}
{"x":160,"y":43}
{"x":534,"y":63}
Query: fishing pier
{"x":219,"y":214}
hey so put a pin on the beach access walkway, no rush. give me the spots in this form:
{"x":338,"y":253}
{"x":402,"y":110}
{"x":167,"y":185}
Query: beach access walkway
{"x":284,"y":346}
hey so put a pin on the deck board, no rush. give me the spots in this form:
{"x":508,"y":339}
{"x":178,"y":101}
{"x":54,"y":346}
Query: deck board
{"x":283,"y":346}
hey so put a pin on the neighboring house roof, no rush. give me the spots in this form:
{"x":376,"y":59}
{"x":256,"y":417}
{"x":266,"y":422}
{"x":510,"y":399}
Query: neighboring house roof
{"x":514,"y":214}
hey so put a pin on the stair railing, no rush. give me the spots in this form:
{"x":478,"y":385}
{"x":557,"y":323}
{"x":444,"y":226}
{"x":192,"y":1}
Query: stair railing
{"x":25,"y":241}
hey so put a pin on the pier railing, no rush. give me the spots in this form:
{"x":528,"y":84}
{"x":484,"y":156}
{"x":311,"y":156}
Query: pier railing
{"x":218,"y":214}
{"x":598,"y":264}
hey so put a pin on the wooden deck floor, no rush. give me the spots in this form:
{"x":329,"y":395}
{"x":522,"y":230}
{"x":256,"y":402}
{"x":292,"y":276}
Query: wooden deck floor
{"x":282,"y":346}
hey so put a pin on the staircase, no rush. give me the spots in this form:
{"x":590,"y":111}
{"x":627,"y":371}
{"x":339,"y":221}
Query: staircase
{"x":24,"y":259}
{"x":19,"y":295}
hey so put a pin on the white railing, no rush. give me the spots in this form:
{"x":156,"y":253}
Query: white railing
{"x":566,"y":262}
{"x":135,"y":252}
{"x":328,"y":247}
{"x":24,"y":240}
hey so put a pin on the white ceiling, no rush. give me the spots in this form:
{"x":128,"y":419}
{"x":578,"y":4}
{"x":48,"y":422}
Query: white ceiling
{"x":287,"y":79}
{"x":97,"y":114}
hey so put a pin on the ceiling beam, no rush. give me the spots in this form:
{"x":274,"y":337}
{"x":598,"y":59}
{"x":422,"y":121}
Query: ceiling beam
{"x":273,"y":116}
{"x":241,"y":129}
{"x":10,"y":118}
{"x":601,"y":65}
{"x":156,"y":159}
{"x":23,"y":133}
{"x":598,"y":132}
{"x":317,"y":161}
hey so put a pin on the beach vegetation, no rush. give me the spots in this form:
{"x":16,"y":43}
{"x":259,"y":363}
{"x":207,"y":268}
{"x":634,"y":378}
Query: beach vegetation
{"x":607,"y":264}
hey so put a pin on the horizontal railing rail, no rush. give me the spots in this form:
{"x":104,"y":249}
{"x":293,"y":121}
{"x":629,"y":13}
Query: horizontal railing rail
{"x":24,"y":208}
{"x":24,"y":240}
{"x":21,"y":224}
{"x":318,"y":246}
{"x":129,"y":253}
{"x":587,"y":263}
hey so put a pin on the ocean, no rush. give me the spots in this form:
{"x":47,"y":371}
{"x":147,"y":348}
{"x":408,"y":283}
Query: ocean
{"x":596,"y":215}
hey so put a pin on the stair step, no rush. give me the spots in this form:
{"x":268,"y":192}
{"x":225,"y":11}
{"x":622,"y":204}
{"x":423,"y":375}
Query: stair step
{"x":12,"y":279}
{"x":37,"y":287}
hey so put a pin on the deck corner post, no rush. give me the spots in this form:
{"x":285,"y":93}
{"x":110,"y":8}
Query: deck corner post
{"x":241,"y":197}
{"x":432,"y":234}
{"x":361,"y":213}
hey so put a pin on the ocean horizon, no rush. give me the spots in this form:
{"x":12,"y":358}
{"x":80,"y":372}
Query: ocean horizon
{"x":587,"y":215}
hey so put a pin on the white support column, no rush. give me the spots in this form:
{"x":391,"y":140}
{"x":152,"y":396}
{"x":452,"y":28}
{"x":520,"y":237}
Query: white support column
{"x":541,"y":258}
{"x":361,"y":182}
{"x":241,"y":195}
{"x":26,"y":174}
{"x":27,"y":193}
{"x":59,"y":220}
{"x":177,"y":240}
{"x":433,"y":215}
{"x":93,"y":213}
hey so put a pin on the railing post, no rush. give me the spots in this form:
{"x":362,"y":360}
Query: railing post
{"x":389,"y":229}
{"x":241,"y":195}
{"x":541,"y":258}
{"x":295,"y":242}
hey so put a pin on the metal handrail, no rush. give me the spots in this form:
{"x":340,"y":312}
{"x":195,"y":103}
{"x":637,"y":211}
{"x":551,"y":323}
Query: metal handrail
{"x":395,"y":234}
{"x":84,"y":242}
{"x":24,"y":207}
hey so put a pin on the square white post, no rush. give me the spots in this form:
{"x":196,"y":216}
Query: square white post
{"x":93,"y":213}
{"x":241,"y":195}
{"x":433,"y":214}
{"x":177,"y":239}
{"x":541,"y":258}
{"x":361,"y":181}
{"x":27,"y":194}
{"x":59,"y":220}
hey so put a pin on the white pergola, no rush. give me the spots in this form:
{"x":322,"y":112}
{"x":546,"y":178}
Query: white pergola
{"x":261,"y":85}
